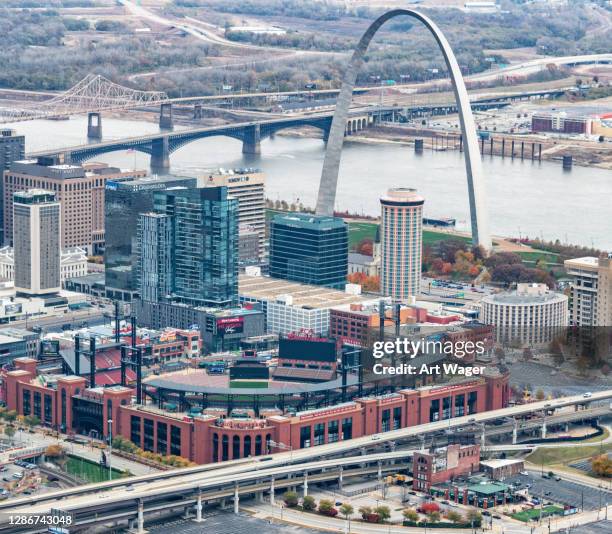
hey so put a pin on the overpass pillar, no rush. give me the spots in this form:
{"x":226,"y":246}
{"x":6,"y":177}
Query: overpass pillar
{"x":515,"y":432}
{"x":272,"y":501}
{"x":340,"y":478}
{"x":94,"y":125}
{"x":379,"y":474}
{"x":543,"y":430}
{"x":140,"y":527}
{"x":160,"y":156}
{"x":251,"y":141}
{"x":166,"y":121}
{"x":305,"y":483}
{"x":199,"y":507}
{"x":483,"y":437}
{"x":197,"y":111}
{"x":236,"y":500}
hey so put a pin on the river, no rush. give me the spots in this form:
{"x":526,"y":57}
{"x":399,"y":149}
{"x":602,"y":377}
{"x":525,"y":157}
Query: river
{"x":535,"y":199}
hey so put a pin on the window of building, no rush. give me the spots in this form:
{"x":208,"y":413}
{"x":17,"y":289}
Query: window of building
{"x":175,"y":440}
{"x":148,"y":435}
{"x":135,"y":429}
{"x":347,"y":428}
{"x":162,"y":438}
{"x":304,"y":437}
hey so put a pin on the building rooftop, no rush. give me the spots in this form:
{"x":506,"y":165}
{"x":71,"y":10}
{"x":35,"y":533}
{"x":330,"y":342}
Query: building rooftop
{"x":488,"y":488}
{"x":495,"y":464}
{"x":308,"y":220}
{"x":304,"y":296}
{"x":526,"y":294}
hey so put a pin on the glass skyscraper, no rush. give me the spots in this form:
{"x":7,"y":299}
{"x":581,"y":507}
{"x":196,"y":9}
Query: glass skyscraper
{"x":189,"y":248}
{"x":310,"y":249}
{"x":123,"y":204}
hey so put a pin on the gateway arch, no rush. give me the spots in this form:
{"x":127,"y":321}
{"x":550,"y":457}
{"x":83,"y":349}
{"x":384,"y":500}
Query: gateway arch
{"x":473,"y":165}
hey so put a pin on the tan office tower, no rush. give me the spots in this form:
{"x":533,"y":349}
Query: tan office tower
{"x":591,"y":291}
{"x":401,"y":243}
{"x":247,"y":185}
{"x":80,"y":189}
{"x":37,"y":242}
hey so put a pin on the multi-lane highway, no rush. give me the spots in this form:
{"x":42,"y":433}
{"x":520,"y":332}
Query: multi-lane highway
{"x":221,"y":479}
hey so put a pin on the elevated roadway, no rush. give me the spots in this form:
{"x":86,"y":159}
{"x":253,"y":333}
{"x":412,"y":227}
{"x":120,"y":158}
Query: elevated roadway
{"x":300,"y":459}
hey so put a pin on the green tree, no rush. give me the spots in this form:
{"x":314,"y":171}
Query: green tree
{"x":365,"y":511}
{"x":384,"y":512}
{"x":433,"y":517}
{"x":410,"y":515}
{"x":309,"y":503}
{"x":290,"y":498}
{"x":347,"y":510}
{"x":454,"y":517}
{"x":325,"y":506}
{"x":474,"y":517}
{"x":9,"y":432}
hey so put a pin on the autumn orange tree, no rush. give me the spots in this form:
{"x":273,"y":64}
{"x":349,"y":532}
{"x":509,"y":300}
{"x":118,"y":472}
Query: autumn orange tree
{"x":602,"y":466}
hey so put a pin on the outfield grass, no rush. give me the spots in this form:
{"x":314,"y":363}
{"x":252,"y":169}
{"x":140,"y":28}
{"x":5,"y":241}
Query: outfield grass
{"x":560,"y":455}
{"x":534,"y":513}
{"x":89,"y":471}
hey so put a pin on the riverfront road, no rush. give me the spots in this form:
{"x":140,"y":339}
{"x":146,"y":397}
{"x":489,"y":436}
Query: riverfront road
{"x":175,"y":483}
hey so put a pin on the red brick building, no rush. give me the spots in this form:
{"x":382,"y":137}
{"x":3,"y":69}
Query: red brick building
{"x":441,"y":465}
{"x":66,"y":403}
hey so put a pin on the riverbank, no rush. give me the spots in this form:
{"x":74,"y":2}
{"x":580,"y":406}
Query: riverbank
{"x":520,"y":147}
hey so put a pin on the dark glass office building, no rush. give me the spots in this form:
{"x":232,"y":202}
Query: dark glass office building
{"x":203,"y":224}
{"x":124,"y":202}
{"x":12,"y":148}
{"x":310,"y":249}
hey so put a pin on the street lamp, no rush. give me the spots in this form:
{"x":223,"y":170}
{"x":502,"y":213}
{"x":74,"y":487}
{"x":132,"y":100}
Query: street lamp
{"x":110,"y":448}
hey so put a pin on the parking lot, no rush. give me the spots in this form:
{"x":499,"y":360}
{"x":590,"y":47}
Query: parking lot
{"x":227,"y":523}
{"x":561,"y":491}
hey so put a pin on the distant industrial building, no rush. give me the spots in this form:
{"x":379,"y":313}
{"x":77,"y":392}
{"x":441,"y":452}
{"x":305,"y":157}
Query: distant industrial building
{"x":401,"y":243}
{"x":531,"y":315}
{"x":591,"y":290}
{"x":36,"y":238}
{"x":561,"y":122}
{"x":309,"y":249}
{"x":124,"y":202}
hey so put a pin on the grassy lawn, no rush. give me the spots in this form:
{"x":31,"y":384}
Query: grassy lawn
{"x":550,"y":258}
{"x":89,"y":471}
{"x":528,"y":515}
{"x":560,"y":455}
{"x":359,"y":231}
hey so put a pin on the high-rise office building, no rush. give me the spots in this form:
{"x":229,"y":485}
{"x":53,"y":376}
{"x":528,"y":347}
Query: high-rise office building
{"x":247,"y":185}
{"x":12,"y":148}
{"x":198,"y":229}
{"x":155,"y":236}
{"x":591,"y":290}
{"x":36,"y":239}
{"x":311,"y":249}
{"x":78,"y":188}
{"x":124,"y":202}
{"x":401,"y":242}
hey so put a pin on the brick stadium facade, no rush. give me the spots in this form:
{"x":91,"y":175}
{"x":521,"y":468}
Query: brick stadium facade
{"x":67,"y":404}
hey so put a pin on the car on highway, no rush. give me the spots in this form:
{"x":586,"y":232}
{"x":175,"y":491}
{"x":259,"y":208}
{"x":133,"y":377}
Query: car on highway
{"x":587,"y":395}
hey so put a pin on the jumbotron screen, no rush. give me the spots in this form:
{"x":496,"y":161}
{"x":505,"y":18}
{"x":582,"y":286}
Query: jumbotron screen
{"x":320,"y":350}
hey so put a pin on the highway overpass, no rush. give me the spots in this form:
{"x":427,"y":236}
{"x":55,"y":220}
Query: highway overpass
{"x":180,"y":488}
